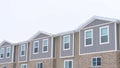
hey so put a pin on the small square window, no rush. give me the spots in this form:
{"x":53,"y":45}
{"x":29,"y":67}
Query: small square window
{"x":96,"y":61}
{"x":68,"y":64}
{"x":39,"y":65}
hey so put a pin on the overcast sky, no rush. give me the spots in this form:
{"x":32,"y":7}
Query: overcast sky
{"x":21,"y":19}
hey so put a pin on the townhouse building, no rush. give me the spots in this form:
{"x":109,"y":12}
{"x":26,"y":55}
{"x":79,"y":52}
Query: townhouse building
{"x":95,"y":44}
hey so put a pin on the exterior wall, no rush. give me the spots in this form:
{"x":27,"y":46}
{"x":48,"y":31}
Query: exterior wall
{"x":97,"y":47}
{"x":23,"y":58}
{"x":59,"y":62}
{"x":66,"y":53}
{"x":47,"y":63}
{"x":41,"y":35}
{"x":97,"y":22}
{"x":7,"y":60}
{"x":9,"y":65}
{"x":108,"y":60}
{"x":41,"y":55}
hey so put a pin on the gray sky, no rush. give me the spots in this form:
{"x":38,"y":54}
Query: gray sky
{"x":20,"y":19}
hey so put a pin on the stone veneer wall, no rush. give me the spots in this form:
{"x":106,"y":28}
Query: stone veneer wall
{"x":109,"y":60}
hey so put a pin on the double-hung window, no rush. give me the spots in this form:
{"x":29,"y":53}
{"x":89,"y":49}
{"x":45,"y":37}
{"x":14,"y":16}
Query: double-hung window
{"x":23,"y":65}
{"x":36,"y":47}
{"x":8,"y":51}
{"x":39,"y":65}
{"x":66,"y":42}
{"x":22,"y":50}
{"x":88,"y":37}
{"x":96,"y":61}
{"x":104,"y":34}
{"x":2,"y":53}
{"x":68,"y":64}
{"x":45,"y":45}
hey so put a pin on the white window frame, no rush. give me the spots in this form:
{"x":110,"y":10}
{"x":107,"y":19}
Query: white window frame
{"x":38,"y":63}
{"x":22,"y":45}
{"x":68,"y":61}
{"x":65,"y":42}
{"x":3,"y":52}
{"x":96,"y":61}
{"x":86,"y":38}
{"x":107,"y":33}
{"x":45,"y":45}
{"x":8,"y":52}
{"x":23,"y":65}
{"x":34,"y":46}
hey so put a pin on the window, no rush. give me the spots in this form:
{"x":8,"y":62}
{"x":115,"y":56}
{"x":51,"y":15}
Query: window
{"x":8,"y":51}
{"x":2,"y":53}
{"x":45,"y":45}
{"x":22,"y":50}
{"x":88,"y":37}
{"x":104,"y":34}
{"x":96,"y":61}
{"x":23,"y":65}
{"x":66,"y":42}
{"x":36,"y":47}
{"x":4,"y":67}
{"x":39,"y":65}
{"x":68,"y":64}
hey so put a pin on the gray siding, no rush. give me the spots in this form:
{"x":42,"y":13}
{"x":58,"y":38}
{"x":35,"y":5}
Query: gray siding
{"x":41,"y":55}
{"x":23,"y":58}
{"x":96,"y":46}
{"x":41,"y":35}
{"x":6,"y":60}
{"x":65,"y":53}
{"x":97,"y":22}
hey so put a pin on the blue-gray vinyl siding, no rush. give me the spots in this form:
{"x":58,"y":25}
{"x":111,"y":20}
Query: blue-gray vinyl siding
{"x":41,"y":55}
{"x":96,"y":44}
{"x":97,"y":22}
{"x":65,"y":53}
{"x":6,"y":60}
{"x":23,"y":58}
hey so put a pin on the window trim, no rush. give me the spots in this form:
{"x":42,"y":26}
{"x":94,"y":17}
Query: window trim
{"x":68,"y":61}
{"x":21,"y":50}
{"x":3,"y":52}
{"x":64,"y":42}
{"x":96,"y":60}
{"x":101,"y":35}
{"x":44,"y":45}
{"x":9,"y":52}
{"x":34,"y":46}
{"x":23,"y":65}
{"x":86,"y":38}
{"x":38,"y":63}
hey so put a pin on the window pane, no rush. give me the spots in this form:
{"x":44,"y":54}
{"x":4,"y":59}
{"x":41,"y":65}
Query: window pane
{"x":103,"y":31}
{"x":88,"y":34}
{"x":70,"y":64}
{"x":66,"y":65}
{"x":94,"y":63}
{"x":98,"y":61}
{"x":66,"y":45}
{"x":66,"y":39}
{"x":45,"y":48}
{"x":104,"y":39}
{"x":88,"y":41}
{"x":35,"y":50}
